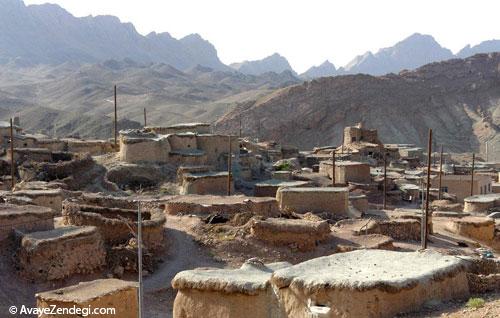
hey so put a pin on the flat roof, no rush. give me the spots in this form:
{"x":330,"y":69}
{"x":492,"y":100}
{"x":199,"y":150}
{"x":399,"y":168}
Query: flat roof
{"x":87,"y":291}
{"x":368,"y":269}
{"x":316,"y":189}
{"x":278,"y":182}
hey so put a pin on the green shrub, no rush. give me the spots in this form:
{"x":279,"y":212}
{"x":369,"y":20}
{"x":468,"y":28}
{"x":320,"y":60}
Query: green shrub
{"x":285,"y":166}
{"x":475,"y":303}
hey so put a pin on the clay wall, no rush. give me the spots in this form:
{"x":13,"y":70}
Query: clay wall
{"x":57,"y":256}
{"x":302,"y":200}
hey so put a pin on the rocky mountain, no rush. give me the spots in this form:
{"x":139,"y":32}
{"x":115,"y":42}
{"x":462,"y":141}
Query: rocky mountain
{"x":459,"y":99}
{"x":48,"y":34}
{"x":77,"y":98}
{"x":323,"y":70}
{"x":410,"y":53}
{"x":273,"y":63}
{"x":483,"y":47}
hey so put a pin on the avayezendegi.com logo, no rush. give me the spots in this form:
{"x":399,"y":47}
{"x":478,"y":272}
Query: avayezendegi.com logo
{"x":54,"y":310}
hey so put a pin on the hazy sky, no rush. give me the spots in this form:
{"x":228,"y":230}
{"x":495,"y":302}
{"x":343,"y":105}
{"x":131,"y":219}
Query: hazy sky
{"x":306,"y":32}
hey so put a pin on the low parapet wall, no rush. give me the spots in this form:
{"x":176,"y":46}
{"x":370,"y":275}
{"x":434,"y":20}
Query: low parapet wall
{"x":302,"y":200}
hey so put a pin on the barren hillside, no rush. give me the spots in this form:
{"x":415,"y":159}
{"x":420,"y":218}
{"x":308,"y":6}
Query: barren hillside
{"x":459,"y":99}
{"x":72,"y":98}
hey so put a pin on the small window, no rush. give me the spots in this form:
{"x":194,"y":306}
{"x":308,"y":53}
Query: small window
{"x":489,"y":187}
{"x":353,"y":139}
{"x":444,"y":189}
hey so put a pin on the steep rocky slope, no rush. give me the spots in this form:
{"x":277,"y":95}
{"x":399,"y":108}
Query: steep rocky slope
{"x":459,"y":99}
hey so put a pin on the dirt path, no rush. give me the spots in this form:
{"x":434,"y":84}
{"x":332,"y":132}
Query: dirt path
{"x":183,"y":253}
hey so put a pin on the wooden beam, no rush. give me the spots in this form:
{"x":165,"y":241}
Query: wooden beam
{"x":116,"y":121}
{"x":472,"y":174}
{"x":12,"y":160}
{"x":229,"y":163}
{"x":385,"y":180}
{"x":440,"y":173}
{"x":425,"y":230}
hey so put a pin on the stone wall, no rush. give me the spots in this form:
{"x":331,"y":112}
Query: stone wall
{"x":61,"y":252}
{"x":51,"y":198}
{"x":115,"y":224}
{"x":29,"y":154}
{"x":216,"y":147}
{"x":477,"y":228}
{"x":52,"y":144}
{"x":398,"y":229}
{"x":204,"y":205}
{"x":24,"y":218}
{"x":92,"y":147}
{"x":206,"y":183}
{"x":302,"y":234}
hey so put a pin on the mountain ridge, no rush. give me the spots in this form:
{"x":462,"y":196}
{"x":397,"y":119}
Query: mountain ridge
{"x":458,"y":98}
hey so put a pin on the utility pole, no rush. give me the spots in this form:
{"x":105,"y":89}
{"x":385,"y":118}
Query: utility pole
{"x":240,"y":126}
{"x":486,"y":146}
{"x":12,"y":160}
{"x":139,"y":255}
{"x":472,"y":174}
{"x":116,"y":122}
{"x":425,"y":215}
{"x":385,"y":180}
{"x":333,"y":167}
{"x":229,"y":163}
{"x":145,"y":122}
{"x":440,"y":172}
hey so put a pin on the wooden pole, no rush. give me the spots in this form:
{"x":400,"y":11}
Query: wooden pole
{"x":116,"y":122}
{"x":229,"y":163}
{"x":145,"y":121}
{"x":342,"y":150}
{"x":333,"y":168}
{"x":472,"y":174}
{"x":12,"y":161}
{"x":440,"y":173}
{"x":385,"y":180}
{"x":139,"y":256}
{"x":240,"y":126}
{"x":425,"y":230}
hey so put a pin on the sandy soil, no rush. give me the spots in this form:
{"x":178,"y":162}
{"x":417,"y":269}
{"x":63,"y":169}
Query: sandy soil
{"x":192,"y":243}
